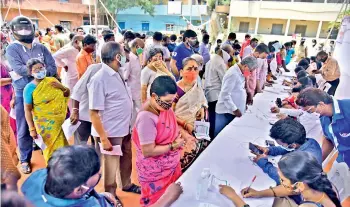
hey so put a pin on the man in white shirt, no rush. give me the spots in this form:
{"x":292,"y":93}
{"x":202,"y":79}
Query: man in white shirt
{"x":80,"y":111}
{"x":249,"y":49}
{"x":215,"y":70}
{"x":110,"y":105}
{"x":132,"y":75}
{"x":108,"y":36}
{"x":233,"y":95}
{"x":65,"y":58}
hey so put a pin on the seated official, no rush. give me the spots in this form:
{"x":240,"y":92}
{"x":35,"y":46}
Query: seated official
{"x":300,"y":173}
{"x":291,"y":136}
{"x":335,"y":121}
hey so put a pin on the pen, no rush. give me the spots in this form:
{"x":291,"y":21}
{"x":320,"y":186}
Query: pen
{"x":250,"y":185}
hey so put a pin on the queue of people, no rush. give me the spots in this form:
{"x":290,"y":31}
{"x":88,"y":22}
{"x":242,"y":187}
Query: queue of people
{"x":153,"y":94}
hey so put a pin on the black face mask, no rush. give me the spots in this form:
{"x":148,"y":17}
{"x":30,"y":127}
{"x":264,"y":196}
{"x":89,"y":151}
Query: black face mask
{"x":230,"y":60}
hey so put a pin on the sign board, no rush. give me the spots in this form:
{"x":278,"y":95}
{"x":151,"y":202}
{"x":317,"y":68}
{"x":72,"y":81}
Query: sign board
{"x":174,"y":7}
{"x":88,"y":2}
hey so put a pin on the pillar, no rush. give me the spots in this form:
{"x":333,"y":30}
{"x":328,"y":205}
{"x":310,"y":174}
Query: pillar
{"x":287,"y":28}
{"x":319,"y":30}
{"x":256,"y":25}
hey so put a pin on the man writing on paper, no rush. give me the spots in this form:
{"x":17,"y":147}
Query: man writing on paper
{"x":110,"y":105}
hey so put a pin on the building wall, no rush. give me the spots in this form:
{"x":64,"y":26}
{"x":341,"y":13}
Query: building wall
{"x":311,"y":27}
{"x":265,"y":25}
{"x":156,"y":23}
{"x":236,"y":21}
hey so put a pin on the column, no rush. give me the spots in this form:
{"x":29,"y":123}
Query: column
{"x":256,"y":25}
{"x":229,"y":24}
{"x":319,"y":30}
{"x":287,"y":27}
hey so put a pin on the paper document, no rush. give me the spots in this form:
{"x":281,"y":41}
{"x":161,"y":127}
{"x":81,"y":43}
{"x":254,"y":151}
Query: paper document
{"x":15,"y":76}
{"x":13,"y":113}
{"x":40,"y":142}
{"x":69,"y":128}
{"x":201,"y":129}
{"x":117,"y":150}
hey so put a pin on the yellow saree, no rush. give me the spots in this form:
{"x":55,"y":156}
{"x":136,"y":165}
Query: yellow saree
{"x":49,"y":113}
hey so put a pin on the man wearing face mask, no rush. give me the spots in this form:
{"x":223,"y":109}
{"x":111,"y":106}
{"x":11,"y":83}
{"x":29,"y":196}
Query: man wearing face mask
{"x":233,"y":96}
{"x":108,"y":36}
{"x":330,"y":70}
{"x":291,"y":136}
{"x":249,"y":49}
{"x":66,"y":57}
{"x":335,"y":121}
{"x":231,"y":39}
{"x":214,"y":74}
{"x":110,"y":105}
{"x":183,"y":51}
{"x":84,"y":58}
{"x":132,"y":75}
{"x":17,"y":54}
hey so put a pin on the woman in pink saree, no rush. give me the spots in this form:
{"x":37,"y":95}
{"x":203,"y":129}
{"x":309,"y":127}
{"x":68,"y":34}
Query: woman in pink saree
{"x":158,"y":143}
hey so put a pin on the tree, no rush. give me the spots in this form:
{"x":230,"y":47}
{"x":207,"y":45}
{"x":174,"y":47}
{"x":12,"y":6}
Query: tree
{"x":337,"y":23}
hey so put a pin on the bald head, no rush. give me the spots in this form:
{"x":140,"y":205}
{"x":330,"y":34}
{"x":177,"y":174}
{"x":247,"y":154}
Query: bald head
{"x":77,"y":41}
{"x":77,"y":38}
{"x":137,"y":42}
{"x":228,"y":48}
{"x":109,"y":52}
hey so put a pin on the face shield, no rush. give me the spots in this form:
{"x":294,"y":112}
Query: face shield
{"x":23,"y":29}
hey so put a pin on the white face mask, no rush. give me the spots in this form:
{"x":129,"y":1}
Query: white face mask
{"x":24,"y":32}
{"x":122,"y":60}
{"x":287,"y":148}
{"x":225,"y":56}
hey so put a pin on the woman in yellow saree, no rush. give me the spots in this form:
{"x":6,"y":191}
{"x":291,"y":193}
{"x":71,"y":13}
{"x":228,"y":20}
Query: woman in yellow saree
{"x":189,"y":105}
{"x":45,"y":100}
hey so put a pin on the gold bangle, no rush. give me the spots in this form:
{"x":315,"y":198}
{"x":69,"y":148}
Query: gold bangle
{"x":185,"y":125}
{"x":32,"y":129}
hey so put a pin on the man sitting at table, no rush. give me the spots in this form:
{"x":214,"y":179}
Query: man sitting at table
{"x":291,"y":136}
{"x":232,"y":98}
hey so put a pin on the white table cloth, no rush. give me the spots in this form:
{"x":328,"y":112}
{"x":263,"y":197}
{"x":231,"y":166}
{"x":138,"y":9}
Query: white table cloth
{"x":227,"y":157}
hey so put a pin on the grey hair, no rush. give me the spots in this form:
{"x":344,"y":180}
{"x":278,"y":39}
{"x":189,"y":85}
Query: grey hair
{"x":251,"y":62}
{"x":31,"y":62}
{"x":188,"y":59}
{"x":109,"y":51}
{"x":227,"y":47}
{"x":198,"y":58}
{"x":133,"y":43}
{"x":76,"y":37}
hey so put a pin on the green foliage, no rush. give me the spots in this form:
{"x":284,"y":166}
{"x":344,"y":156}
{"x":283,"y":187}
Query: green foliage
{"x":337,"y":24}
{"x":118,"y":5}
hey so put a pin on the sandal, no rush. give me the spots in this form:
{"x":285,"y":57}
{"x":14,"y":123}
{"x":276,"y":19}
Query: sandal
{"x":25,"y":168}
{"x":118,"y":202}
{"x":133,"y":189}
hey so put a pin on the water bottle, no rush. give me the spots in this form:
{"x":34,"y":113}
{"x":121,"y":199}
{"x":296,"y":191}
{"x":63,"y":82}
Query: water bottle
{"x":203,"y":184}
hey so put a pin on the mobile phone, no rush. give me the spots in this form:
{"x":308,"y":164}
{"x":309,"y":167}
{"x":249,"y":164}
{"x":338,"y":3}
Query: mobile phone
{"x":254,"y":149}
{"x":270,"y":143}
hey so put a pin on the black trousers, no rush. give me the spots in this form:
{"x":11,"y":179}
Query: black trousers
{"x":334,"y":86}
{"x":211,"y":111}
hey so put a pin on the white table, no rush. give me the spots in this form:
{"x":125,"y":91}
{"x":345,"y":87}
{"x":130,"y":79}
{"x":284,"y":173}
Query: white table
{"x":228,"y":155}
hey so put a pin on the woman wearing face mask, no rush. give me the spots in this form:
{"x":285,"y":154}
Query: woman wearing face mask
{"x":300,"y":173}
{"x":158,"y":142}
{"x":45,"y":107}
{"x":155,"y":67}
{"x":189,"y":104}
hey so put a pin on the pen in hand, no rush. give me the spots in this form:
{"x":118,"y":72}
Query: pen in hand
{"x":250,"y":185}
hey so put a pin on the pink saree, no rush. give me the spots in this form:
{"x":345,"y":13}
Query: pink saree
{"x":155,"y":174}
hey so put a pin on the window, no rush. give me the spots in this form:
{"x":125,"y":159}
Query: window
{"x":36,"y":23}
{"x":243,"y":27}
{"x":86,"y":20}
{"x":65,"y":24}
{"x":145,"y":26}
{"x":300,"y":29}
{"x":169,"y":27}
{"x":277,"y":29}
{"x":121,"y":25}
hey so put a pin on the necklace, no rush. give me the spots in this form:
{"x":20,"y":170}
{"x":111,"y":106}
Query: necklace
{"x":155,"y":110}
{"x":323,"y":195}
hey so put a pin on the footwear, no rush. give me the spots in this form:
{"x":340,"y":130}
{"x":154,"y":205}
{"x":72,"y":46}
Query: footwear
{"x":273,"y":77}
{"x":118,"y":202}
{"x":133,"y":189}
{"x":25,"y":168}
{"x":287,"y":70}
{"x":35,"y":147}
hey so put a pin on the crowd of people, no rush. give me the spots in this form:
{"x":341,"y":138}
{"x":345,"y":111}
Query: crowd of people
{"x":151,"y":92}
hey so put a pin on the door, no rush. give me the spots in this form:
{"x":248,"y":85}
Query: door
{"x":243,"y":27}
{"x":145,"y":26}
{"x":300,"y":29}
{"x":277,"y":29}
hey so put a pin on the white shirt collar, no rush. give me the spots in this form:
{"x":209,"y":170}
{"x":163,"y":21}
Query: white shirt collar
{"x":108,"y":69}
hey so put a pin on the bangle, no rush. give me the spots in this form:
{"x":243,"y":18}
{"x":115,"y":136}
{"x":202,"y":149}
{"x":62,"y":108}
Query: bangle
{"x":32,"y":129}
{"x":171,"y":146}
{"x":75,"y":109}
{"x":274,"y":194}
{"x":185,"y":125}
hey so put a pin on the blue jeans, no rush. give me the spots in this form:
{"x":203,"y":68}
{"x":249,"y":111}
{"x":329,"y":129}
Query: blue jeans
{"x":25,"y":141}
{"x":221,"y":120}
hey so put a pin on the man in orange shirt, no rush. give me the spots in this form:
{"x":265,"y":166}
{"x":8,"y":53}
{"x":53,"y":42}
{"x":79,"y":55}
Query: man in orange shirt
{"x":244,"y":44}
{"x":84,"y":58}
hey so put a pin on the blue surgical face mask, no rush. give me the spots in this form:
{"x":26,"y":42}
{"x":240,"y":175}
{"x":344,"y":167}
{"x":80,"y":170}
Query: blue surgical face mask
{"x":122,"y":60}
{"x":40,"y":75}
{"x":287,"y":148}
